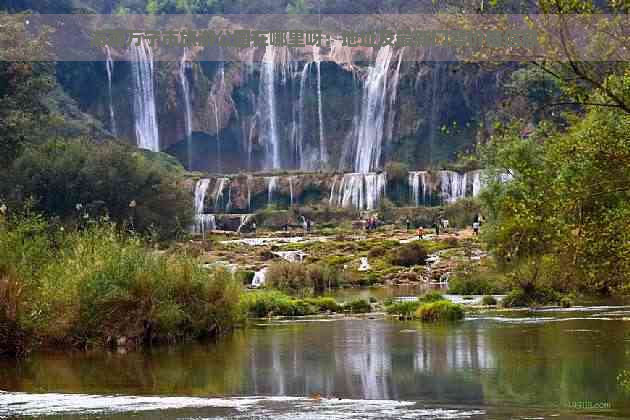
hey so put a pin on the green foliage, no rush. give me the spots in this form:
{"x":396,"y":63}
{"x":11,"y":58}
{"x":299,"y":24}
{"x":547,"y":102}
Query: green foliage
{"x":431,"y":296}
{"x":531,"y":297}
{"x":476,"y":282}
{"x":264,"y":303}
{"x":301,"y":279}
{"x":92,"y":286}
{"x":79,"y":180}
{"x":358,"y":306}
{"x":404,"y":309}
{"x":408,"y":255}
{"x":488,"y":300}
{"x":442,"y":310}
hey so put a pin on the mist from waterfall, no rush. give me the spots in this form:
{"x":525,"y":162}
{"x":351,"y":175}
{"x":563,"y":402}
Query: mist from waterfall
{"x":109,"y":66}
{"x":141,"y":57}
{"x":184,"y":67}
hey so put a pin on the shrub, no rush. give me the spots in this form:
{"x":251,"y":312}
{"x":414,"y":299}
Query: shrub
{"x":476,"y":283}
{"x":409,"y":255}
{"x":531,"y":297}
{"x":274,"y":303}
{"x":442,"y":310}
{"x":105,"y":179}
{"x":431,"y":296}
{"x":488,"y":300}
{"x":91,"y":286}
{"x":377,"y":251}
{"x":404,"y":309}
{"x":288,"y":277}
{"x":566,"y":302}
{"x":358,"y":306}
{"x":324,"y":304}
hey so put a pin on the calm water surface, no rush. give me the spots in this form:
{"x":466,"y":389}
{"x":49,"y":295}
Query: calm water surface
{"x":542,"y":364}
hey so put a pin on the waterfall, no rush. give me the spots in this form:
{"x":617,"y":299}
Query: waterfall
{"x":452,"y":186}
{"x":272,"y":184}
{"x":244,"y":220}
{"x":476,"y":183}
{"x":268,"y":95}
{"x":201,"y":188}
{"x":332,"y":191}
{"x":370,"y":132}
{"x":147,"y":135}
{"x":216,"y":124}
{"x":375,"y":186}
{"x":299,"y":144}
{"x":291,"y":190}
{"x":109,"y":66}
{"x":217,"y":194}
{"x":184,"y":66}
{"x":360,"y":191}
{"x":259,"y":277}
{"x":323,"y":154}
{"x":249,"y":192}
{"x":418,"y":188}
{"x":393,"y":96}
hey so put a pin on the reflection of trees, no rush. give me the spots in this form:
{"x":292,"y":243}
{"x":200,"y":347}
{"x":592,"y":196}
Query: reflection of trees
{"x":547,"y":364}
{"x":468,"y":363}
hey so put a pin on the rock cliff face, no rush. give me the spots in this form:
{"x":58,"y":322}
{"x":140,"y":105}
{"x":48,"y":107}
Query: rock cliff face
{"x":295,"y":110}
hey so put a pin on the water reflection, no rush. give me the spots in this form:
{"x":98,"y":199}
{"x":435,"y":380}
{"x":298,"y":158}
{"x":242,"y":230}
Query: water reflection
{"x":478,"y":363}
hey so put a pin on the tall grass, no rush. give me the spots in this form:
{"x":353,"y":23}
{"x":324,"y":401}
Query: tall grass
{"x":94,"y":286}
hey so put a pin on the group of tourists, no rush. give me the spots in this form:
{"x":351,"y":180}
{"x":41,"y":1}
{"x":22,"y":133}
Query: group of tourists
{"x":371,"y":223}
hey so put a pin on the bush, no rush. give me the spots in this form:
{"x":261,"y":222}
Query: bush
{"x":405,"y":309}
{"x":566,"y":302}
{"x":358,"y":306}
{"x":377,"y":251}
{"x":531,"y":297}
{"x":488,"y":300}
{"x":440,"y":311}
{"x":274,"y":303}
{"x":431,"y":296}
{"x":409,"y":255}
{"x":476,"y":283}
{"x":91,"y":286}
{"x":300,"y":279}
{"x":324,"y":304}
{"x":129,"y":186}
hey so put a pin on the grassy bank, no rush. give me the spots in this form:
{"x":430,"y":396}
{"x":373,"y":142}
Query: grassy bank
{"x":99,"y":287}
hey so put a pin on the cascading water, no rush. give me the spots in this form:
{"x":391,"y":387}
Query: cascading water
{"x":323,"y":154}
{"x":418,"y":187}
{"x":184,"y":67}
{"x":145,"y":115}
{"x":216,"y":124}
{"x":301,"y":163}
{"x":272,"y":185}
{"x":269,"y":117}
{"x":109,"y":66}
{"x":291,"y":190}
{"x":217,"y":194}
{"x":360,"y":191}
{"x":476,"y":183}
{"x":452,"y":186}
{"x":201,"y":188}
{"x":369,"y":142}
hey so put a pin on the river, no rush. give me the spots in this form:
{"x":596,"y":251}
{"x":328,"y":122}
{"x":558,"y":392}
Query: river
{"x":529,"y":364}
